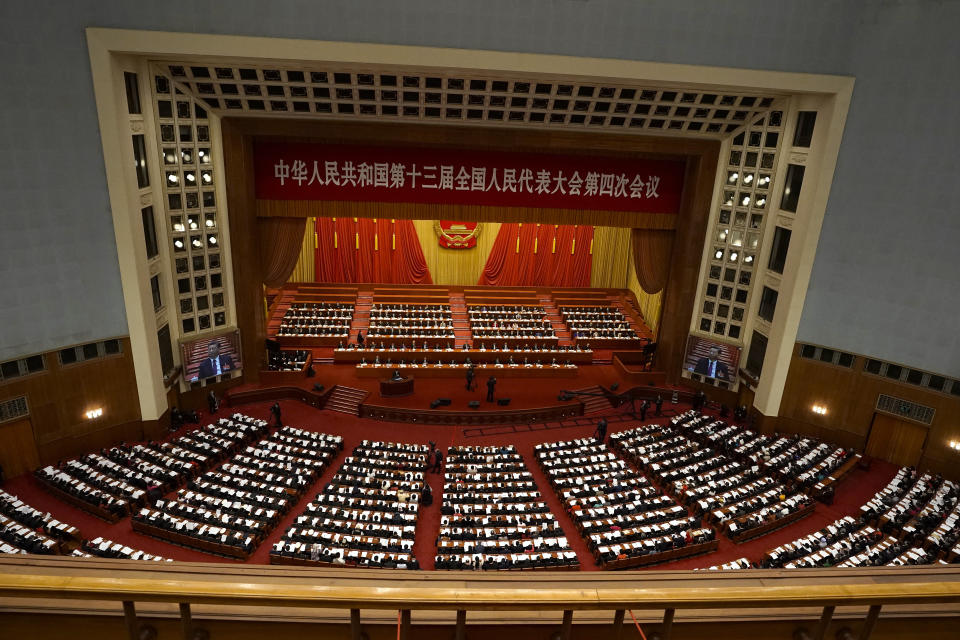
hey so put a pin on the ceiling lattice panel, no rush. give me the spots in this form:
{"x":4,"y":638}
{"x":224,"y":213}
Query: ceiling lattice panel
{"x":416,"y":95}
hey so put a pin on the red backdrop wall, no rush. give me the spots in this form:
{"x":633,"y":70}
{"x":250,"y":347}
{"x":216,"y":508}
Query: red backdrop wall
{"x":541,"y":255}
{"x":369,"y":250}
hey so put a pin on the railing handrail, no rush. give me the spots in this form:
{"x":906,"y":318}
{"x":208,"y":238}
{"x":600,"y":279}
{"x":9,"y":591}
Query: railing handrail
{"x":447,"y":597}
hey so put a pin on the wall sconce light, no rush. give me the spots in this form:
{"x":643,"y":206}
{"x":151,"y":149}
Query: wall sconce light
{"x":94,"y":413}
{"x":819,"y":409}
{"x":955,"y":445}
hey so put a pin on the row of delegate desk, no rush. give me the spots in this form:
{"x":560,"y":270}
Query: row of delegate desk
{"x":458,"y":370}
{"x":574,"y":356}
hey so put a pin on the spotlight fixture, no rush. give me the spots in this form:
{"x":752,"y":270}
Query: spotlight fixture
{"x":209,"y":222}
{"x":733,"y":256}
{"x":955,"y":445}
{"x":196,"y":242}
{"x":206,"y":177}
{"x":748,"y":259}
{"x":748,"y":178}
{"x":212,"y":239}
{"x":178,"y":227}
{"x":178,"y":243}
{"x":718,"y":254}
{"x":819,"y":409}
{"x":744,"y":202}
{"x":761,"y":202}
{"x":172,"y":178}
{"x":92,"y":414}
{"x":191,"y":177}
{"x":734,"y":176}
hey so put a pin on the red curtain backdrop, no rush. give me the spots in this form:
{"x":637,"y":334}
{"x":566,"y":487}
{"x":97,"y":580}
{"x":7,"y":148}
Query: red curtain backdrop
{"x":540,"y":255}
{"x":369,"y":250}
{"x":280,"y":243}
{"x":651,"y":257}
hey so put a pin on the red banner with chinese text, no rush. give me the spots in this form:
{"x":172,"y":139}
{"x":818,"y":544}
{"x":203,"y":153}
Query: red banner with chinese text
{"x":311,"y":171}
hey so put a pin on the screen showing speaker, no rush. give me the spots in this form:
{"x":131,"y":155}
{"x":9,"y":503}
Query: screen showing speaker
{"x":711,"y":361}
{"x":211,"y":357}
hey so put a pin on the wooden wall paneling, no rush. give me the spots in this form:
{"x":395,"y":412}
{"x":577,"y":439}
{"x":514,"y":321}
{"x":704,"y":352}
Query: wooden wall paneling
{"x":850,"y":395}
{"x":899,"y":441}
{"x":18,"y":450}
{"x":680,"y":293}
{"x":245,"y":253}
{"x":59,"y":397}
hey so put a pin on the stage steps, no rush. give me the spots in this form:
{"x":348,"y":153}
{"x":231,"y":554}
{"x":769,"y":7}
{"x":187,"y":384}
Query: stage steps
{"x":345,"y":400}
{"x":278,"y":307}
{"x":361,"y":314}
{"x":593,"y":404}
{"x":461,"y":320}
{"x":556,"y":320}
{"x":633,"y":317}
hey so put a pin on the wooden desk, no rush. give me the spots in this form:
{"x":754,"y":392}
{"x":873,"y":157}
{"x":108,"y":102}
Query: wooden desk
{"x":396,"y":388}
{"x":341,"y":356}
{"x":460,"y":371}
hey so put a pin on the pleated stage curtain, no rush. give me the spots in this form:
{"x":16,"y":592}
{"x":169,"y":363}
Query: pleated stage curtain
{"x":305,"y":271}
{"x":540,"y":255}
{"x":651,"y":257}
{"x":369,"y":250}
{"x":280,"y":243}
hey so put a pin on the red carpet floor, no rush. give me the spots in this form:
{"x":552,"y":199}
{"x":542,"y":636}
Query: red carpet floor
{"x":853,"y":491}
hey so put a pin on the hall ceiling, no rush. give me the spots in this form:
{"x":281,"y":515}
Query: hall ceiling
{"x":274,"y":89}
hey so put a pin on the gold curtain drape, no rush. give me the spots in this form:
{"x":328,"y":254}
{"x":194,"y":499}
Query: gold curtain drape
{"x":611,"y":257}
{"x":651,"y":257}
{"x":650,"y":303}
{"x":305,"y":271}
{"x":455,"y":267}
{"x":281,"y":240}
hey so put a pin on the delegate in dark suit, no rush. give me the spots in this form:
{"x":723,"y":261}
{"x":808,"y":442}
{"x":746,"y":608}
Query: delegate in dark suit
{"x":712,"y":367}
{"x":208,"y":368}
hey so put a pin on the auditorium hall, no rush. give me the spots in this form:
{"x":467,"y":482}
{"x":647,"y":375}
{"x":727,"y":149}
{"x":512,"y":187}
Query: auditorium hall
{"x":551,"y":319}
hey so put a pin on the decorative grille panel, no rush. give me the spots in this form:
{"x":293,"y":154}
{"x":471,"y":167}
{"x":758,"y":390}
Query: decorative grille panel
{"x":905,"y":409}
{"x":385,"y":93}
{"x":13,"y":409}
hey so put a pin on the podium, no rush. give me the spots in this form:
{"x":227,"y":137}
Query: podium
{"x":395,"y":388}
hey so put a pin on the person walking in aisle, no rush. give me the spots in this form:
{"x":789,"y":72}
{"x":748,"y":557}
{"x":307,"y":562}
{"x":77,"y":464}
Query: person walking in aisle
{"x":491,"y":385}
{"x":601,"y":432}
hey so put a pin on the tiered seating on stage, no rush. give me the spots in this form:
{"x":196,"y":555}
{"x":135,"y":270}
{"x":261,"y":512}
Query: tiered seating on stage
{"x":231,"y":509}
{"x":366,"y":516}
{"x":513,"y":324}
{"x":602,"y":326}
{"x":317,"y":319}
{"x":428,"y":323}
{"x":494,"y":517}
{"x":737,"y":497}
{"x":625,"y":521}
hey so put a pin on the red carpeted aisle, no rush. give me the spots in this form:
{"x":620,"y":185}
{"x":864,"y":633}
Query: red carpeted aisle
{"x":852,"y":492}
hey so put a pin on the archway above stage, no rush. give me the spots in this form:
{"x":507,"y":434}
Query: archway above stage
{"x":688,"y":227}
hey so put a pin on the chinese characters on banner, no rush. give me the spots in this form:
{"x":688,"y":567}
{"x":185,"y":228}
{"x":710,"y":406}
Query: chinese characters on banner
{"x":308,"y":171}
